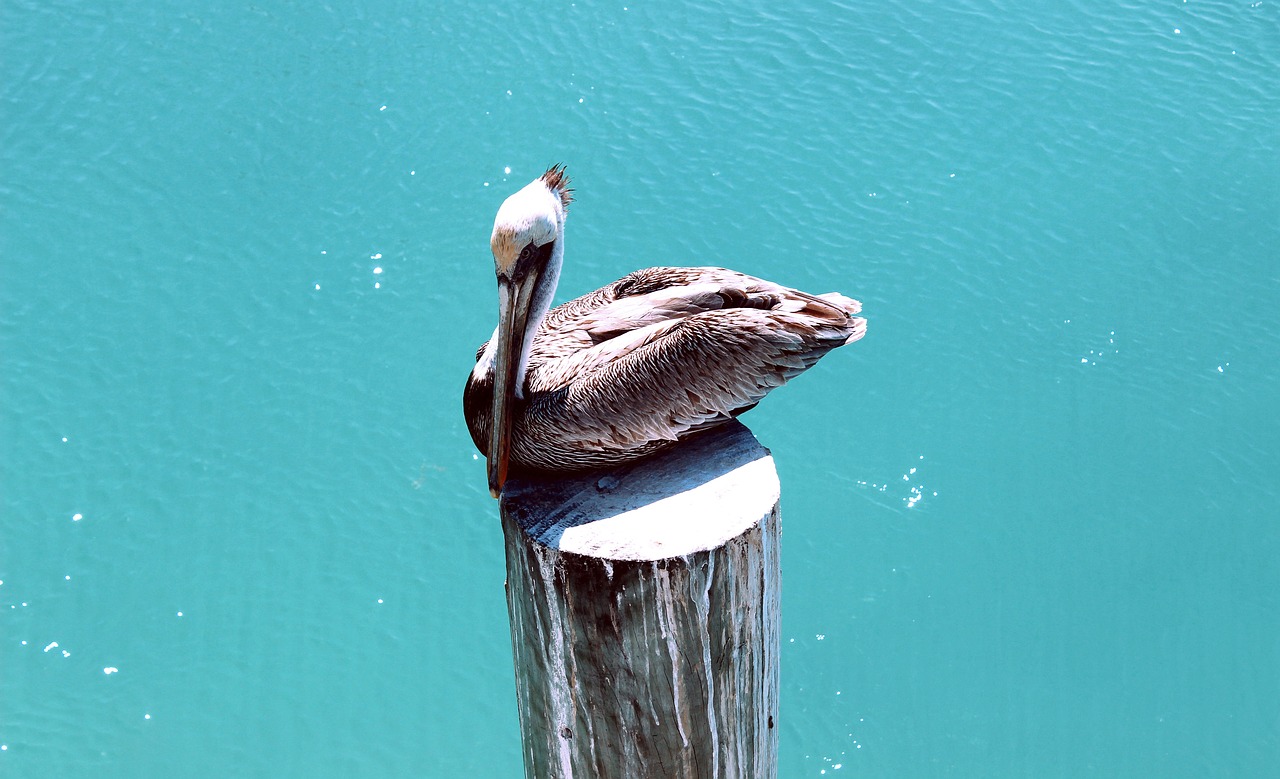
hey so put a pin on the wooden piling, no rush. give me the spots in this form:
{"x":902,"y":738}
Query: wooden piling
{"x":644,"y":606}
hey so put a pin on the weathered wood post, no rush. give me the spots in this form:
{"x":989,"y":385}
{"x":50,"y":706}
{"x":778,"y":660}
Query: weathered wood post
{"x":644,"y":609}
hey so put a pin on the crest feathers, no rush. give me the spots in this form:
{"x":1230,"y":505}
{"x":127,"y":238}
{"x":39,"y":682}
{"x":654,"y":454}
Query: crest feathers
{"x":558,"y":182}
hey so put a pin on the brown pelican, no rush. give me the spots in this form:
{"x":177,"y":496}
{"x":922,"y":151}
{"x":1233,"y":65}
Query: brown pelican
{"x":624,"y":371}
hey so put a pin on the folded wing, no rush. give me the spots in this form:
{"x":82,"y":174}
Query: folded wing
{"x":665,"y":352}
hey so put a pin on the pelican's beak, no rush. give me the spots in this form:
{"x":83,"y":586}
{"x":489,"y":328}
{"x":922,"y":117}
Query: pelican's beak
{"x":514,"y":302}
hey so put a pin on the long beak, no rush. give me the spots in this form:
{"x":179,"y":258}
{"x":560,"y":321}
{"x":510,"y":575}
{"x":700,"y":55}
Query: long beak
{"x":513,"y":319}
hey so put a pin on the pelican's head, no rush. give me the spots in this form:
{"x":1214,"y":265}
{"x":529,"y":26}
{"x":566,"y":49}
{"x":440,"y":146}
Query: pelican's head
{"x":530,"y":222}
{"x":528,"y":248}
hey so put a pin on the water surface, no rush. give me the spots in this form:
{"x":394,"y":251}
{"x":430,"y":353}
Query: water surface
{"x":1029,"y":521}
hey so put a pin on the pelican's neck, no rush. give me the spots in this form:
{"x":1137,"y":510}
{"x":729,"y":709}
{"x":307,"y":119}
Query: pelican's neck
{"x":540,"y":304}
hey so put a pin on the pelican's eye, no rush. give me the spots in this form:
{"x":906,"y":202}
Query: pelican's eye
{"x":532,"y":256}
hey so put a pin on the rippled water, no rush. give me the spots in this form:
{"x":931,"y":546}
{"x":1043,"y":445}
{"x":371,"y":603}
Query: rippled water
{"x":1030,"y":522}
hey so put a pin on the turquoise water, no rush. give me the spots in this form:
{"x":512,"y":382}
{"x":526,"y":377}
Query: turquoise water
{"x":1030,"y":522}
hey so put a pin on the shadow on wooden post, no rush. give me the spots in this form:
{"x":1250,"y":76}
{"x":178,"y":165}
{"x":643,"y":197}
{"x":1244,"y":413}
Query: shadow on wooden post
{"x":644,"y":614}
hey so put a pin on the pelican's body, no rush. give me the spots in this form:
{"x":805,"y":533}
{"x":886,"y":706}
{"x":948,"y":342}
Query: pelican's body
{"x":634,"y":366}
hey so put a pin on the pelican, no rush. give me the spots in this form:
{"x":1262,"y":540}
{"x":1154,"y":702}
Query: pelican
{"x":633,"y":367}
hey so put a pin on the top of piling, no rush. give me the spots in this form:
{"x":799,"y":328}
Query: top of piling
{"x":692,"y":497}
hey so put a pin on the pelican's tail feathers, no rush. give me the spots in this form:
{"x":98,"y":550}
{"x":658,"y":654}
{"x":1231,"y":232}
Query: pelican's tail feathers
{"x":857,"y":329}
{"x":842,"y":302}
{"x":838,"y":312}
